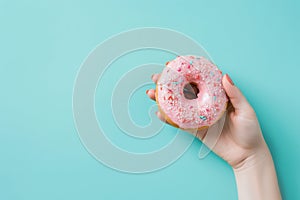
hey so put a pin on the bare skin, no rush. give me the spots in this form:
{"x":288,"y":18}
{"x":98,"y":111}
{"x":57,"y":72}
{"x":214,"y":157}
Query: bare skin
{"x":242,"y":145}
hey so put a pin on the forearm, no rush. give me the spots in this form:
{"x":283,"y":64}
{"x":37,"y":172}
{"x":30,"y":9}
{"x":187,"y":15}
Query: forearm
{"x":257,"y":179}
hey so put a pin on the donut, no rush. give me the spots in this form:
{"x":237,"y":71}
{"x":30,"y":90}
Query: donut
{"x":189,"y":93}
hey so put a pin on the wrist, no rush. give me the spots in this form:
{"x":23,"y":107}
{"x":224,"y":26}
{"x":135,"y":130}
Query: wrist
{"x":255,"y":157}
{"x":256,"y":178}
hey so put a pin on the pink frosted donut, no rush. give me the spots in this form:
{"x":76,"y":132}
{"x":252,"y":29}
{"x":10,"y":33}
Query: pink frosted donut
{"x":205,"y":79}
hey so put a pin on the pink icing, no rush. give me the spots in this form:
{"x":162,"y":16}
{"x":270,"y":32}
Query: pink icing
{"x":211,"y":100}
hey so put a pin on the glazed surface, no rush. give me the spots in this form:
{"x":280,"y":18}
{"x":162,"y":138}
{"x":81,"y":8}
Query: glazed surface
{"x":210,"y":102}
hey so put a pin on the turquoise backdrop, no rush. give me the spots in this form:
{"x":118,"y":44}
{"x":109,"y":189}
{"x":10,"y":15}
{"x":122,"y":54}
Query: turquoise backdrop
{"x":42,"y":45}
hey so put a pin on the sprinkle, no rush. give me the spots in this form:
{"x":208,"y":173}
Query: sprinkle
{"x":202,"y":117}
{"x":215,"y":98}
{"x":177,"y":82}
{"x":191,"y":62}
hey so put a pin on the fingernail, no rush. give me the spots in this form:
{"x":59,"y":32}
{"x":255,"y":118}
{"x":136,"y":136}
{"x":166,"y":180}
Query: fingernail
{"x":229,"y":79}
{"x":147,"y":91}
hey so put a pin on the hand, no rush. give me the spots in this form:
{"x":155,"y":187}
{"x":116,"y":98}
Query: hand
{"x":241,"y":138}
{"x":242,"y":145}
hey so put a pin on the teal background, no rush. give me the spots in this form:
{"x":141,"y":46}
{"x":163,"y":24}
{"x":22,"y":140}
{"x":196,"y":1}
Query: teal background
{"x":42,"y":45}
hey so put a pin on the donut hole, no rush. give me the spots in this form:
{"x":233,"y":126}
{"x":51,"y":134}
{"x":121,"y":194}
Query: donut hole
{"x":191,"y":91}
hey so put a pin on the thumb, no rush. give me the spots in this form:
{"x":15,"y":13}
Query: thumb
{"x":238,"y":100}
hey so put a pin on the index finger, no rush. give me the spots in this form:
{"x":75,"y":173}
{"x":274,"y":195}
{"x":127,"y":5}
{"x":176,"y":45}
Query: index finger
{"x":155,"y":77}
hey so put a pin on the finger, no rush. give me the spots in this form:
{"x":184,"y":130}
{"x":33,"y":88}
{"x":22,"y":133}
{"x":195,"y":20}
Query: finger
{"x":155,"y":77}
{"x":238,"y":100}
{"x":151,"y":94}
{"x":161,"y":117}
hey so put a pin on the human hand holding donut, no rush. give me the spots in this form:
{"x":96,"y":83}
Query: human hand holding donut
{"x":241,"y":144}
